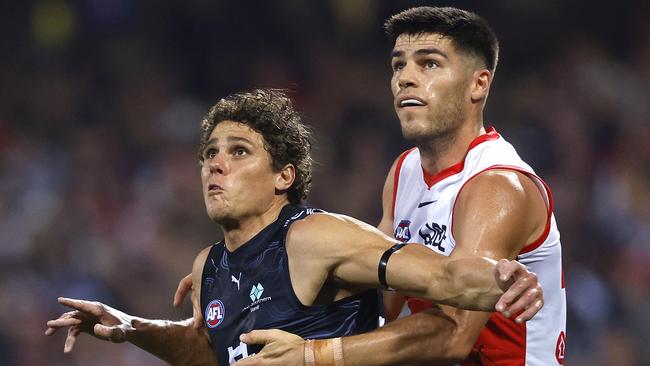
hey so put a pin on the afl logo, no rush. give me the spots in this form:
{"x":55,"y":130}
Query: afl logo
{"x":214,"y":313}
{"x":402,"y":232}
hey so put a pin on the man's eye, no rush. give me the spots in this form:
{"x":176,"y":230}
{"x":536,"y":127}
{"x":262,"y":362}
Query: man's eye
{"x":240,"y":152}
{"x":398,"y":66}
{"x":210,"y":153}
{"x":430,"y":65}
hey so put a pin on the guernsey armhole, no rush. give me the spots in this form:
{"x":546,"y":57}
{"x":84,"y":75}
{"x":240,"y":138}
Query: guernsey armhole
{"x":543,"y":189}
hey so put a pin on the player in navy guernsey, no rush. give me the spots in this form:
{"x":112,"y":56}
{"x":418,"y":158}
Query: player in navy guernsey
{"x":250,"y":288}
{"x":283,"y":266}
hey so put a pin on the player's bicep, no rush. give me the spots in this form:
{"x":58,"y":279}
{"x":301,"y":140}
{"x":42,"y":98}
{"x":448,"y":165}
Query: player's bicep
{"x":496,"y":214}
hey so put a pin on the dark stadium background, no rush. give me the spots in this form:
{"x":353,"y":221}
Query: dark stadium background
{"x":99,"y":117}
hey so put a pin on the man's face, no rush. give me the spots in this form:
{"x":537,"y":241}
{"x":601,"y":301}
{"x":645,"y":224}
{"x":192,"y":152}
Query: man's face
{"x":236,"y":173}
{"x":430,"y":84}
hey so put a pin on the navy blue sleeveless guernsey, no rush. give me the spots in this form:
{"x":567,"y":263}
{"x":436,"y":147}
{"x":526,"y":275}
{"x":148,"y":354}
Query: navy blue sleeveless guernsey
{"x":250,"y":289}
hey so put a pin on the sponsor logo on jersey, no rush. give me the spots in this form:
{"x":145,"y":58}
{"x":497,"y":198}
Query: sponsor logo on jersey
{"x":214,"y":313}
{"x":402,"y":232}
{"x":256,"y":298}
{"x":433,"y":235}
{"x":422,"y":204}
{"x":236,"y":280}
{"x":256,"y":292}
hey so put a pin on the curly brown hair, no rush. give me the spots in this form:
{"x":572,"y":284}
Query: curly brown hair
{"x":271,"y":113}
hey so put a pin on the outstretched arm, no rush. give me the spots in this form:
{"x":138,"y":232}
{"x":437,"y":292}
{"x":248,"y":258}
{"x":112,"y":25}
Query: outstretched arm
{"x":435,"y":337}
{"x":176,"y":342}
{"x":349,"y":251}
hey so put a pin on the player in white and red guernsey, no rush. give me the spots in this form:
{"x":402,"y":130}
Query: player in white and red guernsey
{"x":464,"y":191}
{"x":423,"y":212}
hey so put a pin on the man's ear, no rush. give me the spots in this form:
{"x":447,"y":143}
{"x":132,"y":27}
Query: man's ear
{"x":285,"y":177}
{"x":481,"y":81}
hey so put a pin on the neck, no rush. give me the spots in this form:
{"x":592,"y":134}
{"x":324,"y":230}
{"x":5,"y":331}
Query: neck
{"x":237,"y":232}
{"x":442,"y":151}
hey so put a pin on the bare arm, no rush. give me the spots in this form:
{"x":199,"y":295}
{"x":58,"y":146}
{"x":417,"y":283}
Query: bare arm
{"x":431,"y":337}
{"x":345,"y":250}
{"x":175,"y":342}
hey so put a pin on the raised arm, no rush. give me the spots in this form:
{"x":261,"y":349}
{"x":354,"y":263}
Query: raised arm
{"x":175,"y":342}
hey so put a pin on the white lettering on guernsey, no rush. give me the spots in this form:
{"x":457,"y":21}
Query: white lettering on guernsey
{"x":238,"y":353}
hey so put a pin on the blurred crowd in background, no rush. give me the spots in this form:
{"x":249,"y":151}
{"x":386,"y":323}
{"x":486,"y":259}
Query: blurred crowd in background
{"x":100,"y":196}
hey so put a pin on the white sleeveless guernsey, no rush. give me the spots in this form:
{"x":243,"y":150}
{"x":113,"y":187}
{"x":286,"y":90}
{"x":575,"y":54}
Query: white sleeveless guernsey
{"x":423,"y":208}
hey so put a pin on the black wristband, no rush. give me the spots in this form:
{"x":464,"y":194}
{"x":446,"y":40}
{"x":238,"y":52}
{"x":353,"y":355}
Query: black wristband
{"x":383,"y":262}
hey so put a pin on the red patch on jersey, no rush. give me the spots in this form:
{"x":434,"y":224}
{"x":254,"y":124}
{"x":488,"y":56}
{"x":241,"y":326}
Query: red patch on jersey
{"x":560,"y":347}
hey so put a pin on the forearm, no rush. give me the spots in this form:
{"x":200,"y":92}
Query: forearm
{"x":468,"y":283}
{"x":425,"y":338}
{"x":177,"y":343}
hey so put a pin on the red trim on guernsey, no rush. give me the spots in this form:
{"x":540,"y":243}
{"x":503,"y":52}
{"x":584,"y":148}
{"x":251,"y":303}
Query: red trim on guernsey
{"x":547,"y":228}
{"x":502,"y":342}
{"x":430,"y":180}
{"x":398,"y":168}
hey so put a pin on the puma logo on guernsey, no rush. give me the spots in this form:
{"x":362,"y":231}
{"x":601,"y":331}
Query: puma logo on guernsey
{"x":236,"y":280}
{"x":433,"y":235}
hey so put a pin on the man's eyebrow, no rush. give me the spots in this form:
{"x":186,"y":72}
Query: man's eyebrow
{"x":429,"y":51}
{"x":420,"y":52}
{"x":214,"y":140}
{"x":239,"y":139}
{"x":211,"y":141}
{"x":396,"y":54}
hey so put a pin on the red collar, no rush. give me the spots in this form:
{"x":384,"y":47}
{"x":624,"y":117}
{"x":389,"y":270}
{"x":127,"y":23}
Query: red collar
{"x":430,"y":180}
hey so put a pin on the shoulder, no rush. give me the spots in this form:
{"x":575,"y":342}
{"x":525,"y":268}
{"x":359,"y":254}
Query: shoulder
{"x":507,"y":187}
{"x":322,"y":226}
{"x":322,"y":232}
{"x":199,"y":260}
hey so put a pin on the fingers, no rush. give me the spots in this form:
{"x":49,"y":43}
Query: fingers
{"x":92,"y":307}
{"x":528,"y":304}
{"x":506,"y":269}
{"x":525,"y":296}
{"x":71,"y":339}
{"x":517,"y":289}
{"x":266,"y":336}
{"x":65,"y":322}
{"x":255,"y":337}
{"x":261,"y":336}
{"x":184,"y":286}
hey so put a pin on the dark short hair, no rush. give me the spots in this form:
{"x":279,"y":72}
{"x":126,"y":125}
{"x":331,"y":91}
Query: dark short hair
{"x":468,"y":31}
{"x":271,"y":113}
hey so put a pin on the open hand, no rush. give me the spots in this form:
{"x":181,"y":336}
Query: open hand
{"x":94,"y":318}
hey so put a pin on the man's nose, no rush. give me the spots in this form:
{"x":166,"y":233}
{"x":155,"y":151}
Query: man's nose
{"x":407,"y":76}
{"x":218,"y":164}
